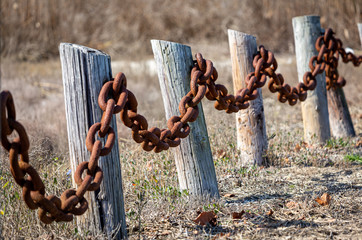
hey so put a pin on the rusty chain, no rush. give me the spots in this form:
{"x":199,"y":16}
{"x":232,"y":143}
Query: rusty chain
{"x":71,"y":201}
{"x":124,"y":102}
{"x":329,"y":49}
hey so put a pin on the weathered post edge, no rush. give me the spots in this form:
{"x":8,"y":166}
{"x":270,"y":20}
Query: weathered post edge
{"x":315,"y":108}
{"x":194,"y":162}
{"x":84,"y":72}
{"x":359,"y":25}
{"x":250,"y":123}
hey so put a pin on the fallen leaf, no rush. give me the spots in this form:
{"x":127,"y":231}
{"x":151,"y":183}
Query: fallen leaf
{"x":297,"y":147}
{"x":229,"y":195}
{"x":238,"y":215}
{"x":324,"y":199}
{"x":291,"y":205}
{"x":286,"y":161}
{"x":221,"y":153}
{"x":206,"y":218}
{"x":270,"y":212}
{"x":359,"y":143}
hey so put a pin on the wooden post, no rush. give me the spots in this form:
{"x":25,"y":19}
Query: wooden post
{"x":195,"y":166}
{"x":339,"y":117}
{"x":360,"y":31}
{"x":250,"y":123}
{"x":84,"y":71}
{"x":315,"y":108}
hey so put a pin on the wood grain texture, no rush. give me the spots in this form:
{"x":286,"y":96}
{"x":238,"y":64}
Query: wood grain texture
{"x":315,"y":108}
{"x":339,"y":117}
{"x":195,"y":167}
{"x":360,"y":31}
{"x":84,"y":71}
{"x":250,"y":123}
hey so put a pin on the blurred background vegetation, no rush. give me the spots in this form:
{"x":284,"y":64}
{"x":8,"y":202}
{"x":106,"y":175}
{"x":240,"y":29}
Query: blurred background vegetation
{"x":33,"y":29}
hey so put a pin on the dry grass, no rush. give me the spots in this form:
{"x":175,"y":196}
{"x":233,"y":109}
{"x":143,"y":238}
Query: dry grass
{"x":155,"y":208}
{"x":33,"y":29}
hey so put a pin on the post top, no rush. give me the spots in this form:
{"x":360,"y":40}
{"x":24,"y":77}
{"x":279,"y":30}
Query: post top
{"x":83,"y":49}
{"x":230,"y":31}
{"x":155,"y":41}
{"x":307,"y":17}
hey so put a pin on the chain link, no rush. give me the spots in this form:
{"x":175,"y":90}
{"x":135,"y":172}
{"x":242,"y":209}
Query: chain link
{"x":332,"y":48}
{"x":71,"y":202}
{"x":115,"y":98}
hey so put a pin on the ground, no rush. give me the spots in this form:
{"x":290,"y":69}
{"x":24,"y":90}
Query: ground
{"x":279,"y":201}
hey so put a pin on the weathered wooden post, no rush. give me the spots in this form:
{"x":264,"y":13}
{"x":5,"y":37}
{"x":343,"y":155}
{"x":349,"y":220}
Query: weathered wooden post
{"x":195,"y":166}
{"x":315,"y":108}
{"x":84,"y":71}
{"x":250,"y":123}
{"x":360,"y":31}
{"x":339,"y":117}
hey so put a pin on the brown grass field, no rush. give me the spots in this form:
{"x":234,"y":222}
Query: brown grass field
{"x":297,"y":175}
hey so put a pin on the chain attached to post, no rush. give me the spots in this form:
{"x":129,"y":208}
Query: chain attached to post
{"x":71,"y":202}
{"x":124,"y":102}
{"x":329,"y":49}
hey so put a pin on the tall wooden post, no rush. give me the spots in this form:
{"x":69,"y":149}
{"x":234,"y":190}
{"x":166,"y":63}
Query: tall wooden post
{"x":360,"y":31}
{"x":195,"y":166}
{"x":315,"y":108}
{"x":250,"y":123}
{"x":84,"y":71}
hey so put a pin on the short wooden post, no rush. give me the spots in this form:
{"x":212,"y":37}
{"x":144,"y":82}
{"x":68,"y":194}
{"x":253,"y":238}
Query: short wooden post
{"x":360,"y":31}
{"x":250,"y":123}
{"x":315,"y":108}
{"x":195,"y":166}
{"x":84,"y":71}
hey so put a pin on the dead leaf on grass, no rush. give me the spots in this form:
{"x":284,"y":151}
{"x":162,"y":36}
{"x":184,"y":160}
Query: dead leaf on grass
{"x":324,"y":200}
{"x":206,"y":218}
{"x":270,"y":212}
{"x":297,"y":147}
{"x":221,"y":153}
{"x":238,"y":215}
{"x":291,"y":205}
{"x":229,"y":195}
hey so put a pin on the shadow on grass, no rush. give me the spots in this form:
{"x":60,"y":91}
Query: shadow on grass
{"x":255,"y":198}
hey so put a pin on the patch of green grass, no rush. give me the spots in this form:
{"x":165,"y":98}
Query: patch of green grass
{"x":337,"y":143}
{"x":353,"y":158}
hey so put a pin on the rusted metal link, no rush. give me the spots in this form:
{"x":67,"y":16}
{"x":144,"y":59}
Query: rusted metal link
{"x":71,"y":202}
{"x":330,"y":48}
{"x":115,"y":98}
